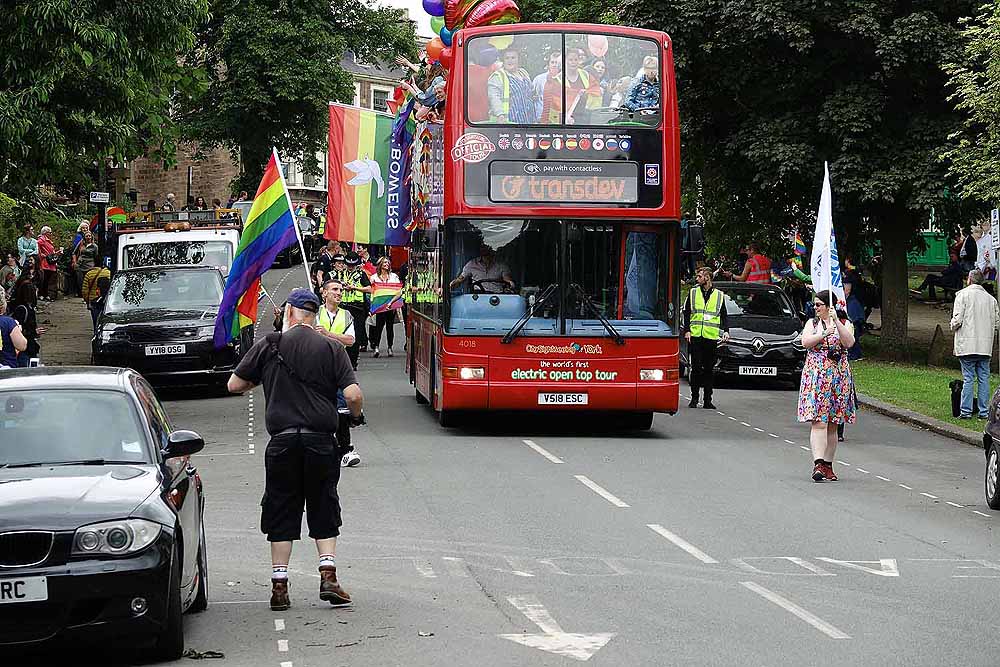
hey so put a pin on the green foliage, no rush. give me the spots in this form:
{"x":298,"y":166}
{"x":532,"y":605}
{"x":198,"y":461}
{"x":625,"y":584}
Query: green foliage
{"x":84,"y":81}
{"x":975,"y":80}
{"x":15,"y":215}
{"x":274,"y":68}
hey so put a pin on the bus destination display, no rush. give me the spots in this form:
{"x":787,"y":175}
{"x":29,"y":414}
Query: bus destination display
{"x":564,"y":182}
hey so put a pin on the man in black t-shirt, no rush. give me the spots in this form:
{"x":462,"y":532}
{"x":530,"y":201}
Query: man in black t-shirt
{"x":301,"y":371}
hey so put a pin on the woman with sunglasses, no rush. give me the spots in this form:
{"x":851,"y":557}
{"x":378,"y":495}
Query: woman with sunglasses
{"x":826,"y":396}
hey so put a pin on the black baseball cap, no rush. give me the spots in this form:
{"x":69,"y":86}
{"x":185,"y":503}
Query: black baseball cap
{"x":305,"y":299}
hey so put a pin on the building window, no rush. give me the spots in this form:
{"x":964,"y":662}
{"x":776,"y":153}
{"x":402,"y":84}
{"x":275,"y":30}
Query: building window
{"x":380,"y":95}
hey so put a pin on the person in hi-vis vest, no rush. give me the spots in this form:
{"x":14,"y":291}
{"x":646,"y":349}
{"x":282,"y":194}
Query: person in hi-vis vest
{"x":337,"y":323}
{"x":705,"y":324}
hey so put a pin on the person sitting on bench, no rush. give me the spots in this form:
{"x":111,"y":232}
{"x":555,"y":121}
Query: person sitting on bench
{"x":950,"y":280}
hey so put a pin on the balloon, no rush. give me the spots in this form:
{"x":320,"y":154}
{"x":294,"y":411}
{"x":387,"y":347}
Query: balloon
{"x":446,"y":36}
{"x":437,"y":24}
{"x":446,"y":57}
{"x":434,"y":48}
{"x":598,"y":45}
{"x":455,"y":11}
{"x":493,"y":12}
{"x":501,"y":42}
{"x":434,"y":7}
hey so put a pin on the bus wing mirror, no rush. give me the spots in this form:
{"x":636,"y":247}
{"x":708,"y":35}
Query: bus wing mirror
{"x":694,"y":243}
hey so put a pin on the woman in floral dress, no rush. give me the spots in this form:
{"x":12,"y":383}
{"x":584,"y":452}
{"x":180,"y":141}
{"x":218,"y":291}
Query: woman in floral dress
{"x":826,"y":396}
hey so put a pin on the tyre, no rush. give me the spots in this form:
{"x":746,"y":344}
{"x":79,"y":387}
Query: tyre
{"x":640,"y":421}
{"x":447,"y":418}
{"x":992,"y":484}
{"x":420,"y":397}
{"x":200,"y":602}
{"x":169,"y":643}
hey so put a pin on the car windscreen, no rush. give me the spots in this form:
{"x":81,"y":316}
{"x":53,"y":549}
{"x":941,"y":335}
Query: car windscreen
{"x":757,"y":303}
{"x":181,"y":289}
{"x":217,"y":254}
{"x":40,"y":426}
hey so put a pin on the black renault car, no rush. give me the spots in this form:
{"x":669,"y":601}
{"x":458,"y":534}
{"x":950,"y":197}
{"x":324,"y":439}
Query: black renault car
{"x":765,"y":334}
{"x":160,"y":321}
{"x":101,"y":530}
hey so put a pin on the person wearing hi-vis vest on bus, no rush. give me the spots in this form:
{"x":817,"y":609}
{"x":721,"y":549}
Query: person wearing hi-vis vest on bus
{"x":705,"y":323}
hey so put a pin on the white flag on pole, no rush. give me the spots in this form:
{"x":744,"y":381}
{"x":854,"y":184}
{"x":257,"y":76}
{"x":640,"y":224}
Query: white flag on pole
{"x":825,"y":266}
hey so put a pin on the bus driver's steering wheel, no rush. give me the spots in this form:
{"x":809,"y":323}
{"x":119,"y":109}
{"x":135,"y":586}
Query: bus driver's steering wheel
{"x":477,"y":286}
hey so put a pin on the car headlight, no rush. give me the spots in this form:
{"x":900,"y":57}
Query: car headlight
{"x":115,"y":538}
{"x":206,"y":331}
{"x":797,"y":342}
{"x":105,"y":335}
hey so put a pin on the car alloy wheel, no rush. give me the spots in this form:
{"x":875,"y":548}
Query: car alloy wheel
{"x":991,"y":478}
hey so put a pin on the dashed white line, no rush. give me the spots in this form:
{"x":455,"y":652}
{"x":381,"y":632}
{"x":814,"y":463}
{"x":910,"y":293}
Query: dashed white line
{"x":789,"y":442}
{"x":796,"y":610}
{"x":279,"y":625}
{"x":884,"y":479}
{"x":731,"y":418}
{"x":682,"y":543}
{"x":933,"y":497}
{"x":759,"y":430}
{"x":803,"y":447}
{"x":955,"y":504}
{"x":745,"y":424}
{"x":772,"y":435}
{"x":282,"y":646}
{"x":601,"y":491}
{"x":981,"y":513}
{"x":843,"y":463}
{"x":862,"y":470}
{"x":908,"y":488}
{"x":541,"y":450}
{"x":721,"y":413}
{"x":286,"y":664}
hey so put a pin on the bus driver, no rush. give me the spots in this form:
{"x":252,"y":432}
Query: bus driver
{"x":485,"y":271}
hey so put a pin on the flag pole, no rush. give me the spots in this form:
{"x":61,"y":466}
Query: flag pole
{"x":295,"y":225}
{"x":829,"y":245}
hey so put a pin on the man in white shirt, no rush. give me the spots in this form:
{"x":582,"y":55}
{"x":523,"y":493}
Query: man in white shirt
{"x":974,"y":320}
{"x":485,"y":270}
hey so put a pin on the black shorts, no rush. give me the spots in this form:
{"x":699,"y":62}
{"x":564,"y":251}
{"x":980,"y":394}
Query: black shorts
{"x":302,"y":471}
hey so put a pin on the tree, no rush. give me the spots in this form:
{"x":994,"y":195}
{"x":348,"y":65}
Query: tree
{"x":975,"y":80}
{"x":771,"y":90}
{"x":82,"y":81}
{"x":274,"y":67}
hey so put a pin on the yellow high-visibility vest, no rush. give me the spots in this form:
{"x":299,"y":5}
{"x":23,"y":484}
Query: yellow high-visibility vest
{"x":706,"y":317}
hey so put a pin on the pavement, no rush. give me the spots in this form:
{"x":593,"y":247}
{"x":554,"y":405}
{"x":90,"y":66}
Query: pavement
{"x":553,"y":541}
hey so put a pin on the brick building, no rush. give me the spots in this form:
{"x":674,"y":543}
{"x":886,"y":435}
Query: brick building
{"x":211,"y":176}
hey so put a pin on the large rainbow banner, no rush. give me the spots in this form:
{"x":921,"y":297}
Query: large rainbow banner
{"x":268,"y":229}
{"x":361,"y":180}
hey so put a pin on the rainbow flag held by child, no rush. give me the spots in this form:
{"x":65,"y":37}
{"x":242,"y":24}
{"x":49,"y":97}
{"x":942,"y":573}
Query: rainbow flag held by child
{"x":386,"y":297}
{"x":800,"y":246}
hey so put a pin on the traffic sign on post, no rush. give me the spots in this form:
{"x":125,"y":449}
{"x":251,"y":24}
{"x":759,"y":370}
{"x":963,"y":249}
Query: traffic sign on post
{"x":995,"y":228}
{"x":100,"y":197}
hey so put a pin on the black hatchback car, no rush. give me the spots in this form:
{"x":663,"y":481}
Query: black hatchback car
{"x":101,"y":530}
{"x":160,"y":321}
{"x":765,"y":334}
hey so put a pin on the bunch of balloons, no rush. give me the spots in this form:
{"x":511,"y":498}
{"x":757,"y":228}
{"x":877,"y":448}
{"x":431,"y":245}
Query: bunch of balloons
{"x":449,"y":16}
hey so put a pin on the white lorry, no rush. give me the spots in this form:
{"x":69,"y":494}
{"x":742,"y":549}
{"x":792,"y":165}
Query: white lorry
{"x":203,"y":238}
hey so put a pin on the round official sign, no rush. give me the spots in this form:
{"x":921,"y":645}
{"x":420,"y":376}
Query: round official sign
{"x":472,"y":147}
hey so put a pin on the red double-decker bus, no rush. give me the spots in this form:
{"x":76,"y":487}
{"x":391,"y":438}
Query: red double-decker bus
{"x":546,"y":275}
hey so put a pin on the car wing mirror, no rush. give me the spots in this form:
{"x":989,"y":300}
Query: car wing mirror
{"x":803,"y":316}
{"x":182,"y":443}
{"x":694,"y":241}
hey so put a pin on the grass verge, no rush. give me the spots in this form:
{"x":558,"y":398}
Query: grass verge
{"x":921,"y":389}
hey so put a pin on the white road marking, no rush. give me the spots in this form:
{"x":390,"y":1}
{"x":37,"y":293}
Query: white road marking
{"x":789,"y":442}
{"x":279,"y":625}
{"x":599,"y":490}
{"x":731,"y":418}
{"x":931,"y":496}
{"x":862,"y":470}
{"x":772,"y":435}
{"x":791,"y":607}
{"x":812,"y":570}
{"x":541,"y":450}
{"x":721,"y":413}
{"x":884,"y":479}
{"x":843,"y":463}
{"x":887,"y":567}
{"x":804,"y":447}
{"x":955,"y":505}
{"x":240,"y":601}
{"x":908,"y":488}
{"x":286,"y":664}
{"x":682,"y":543}
{"x":759,"y":430}
{"x":745,"y":424}
{"x":981,"y":513}
{"x":553,"y":638}
{"x":282,"y":646}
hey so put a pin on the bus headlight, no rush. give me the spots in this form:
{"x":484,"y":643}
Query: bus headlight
{"x":651,"y":374}
{"x":468,"y":373}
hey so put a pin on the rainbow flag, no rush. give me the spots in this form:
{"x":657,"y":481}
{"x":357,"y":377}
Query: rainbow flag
{"x":358,"y":174}
{"x":386,"y":297}
{"x":800,"y":246}
{"x":268,"y":229}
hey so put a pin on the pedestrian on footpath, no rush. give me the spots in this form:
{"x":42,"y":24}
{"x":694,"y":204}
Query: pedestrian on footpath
{"x":12,"y":340}
{"x":974,"y":320}
{"x":302,"y":373}
{"x":826,"y":392}
{"x":85,"y":256}
{"x":705,"y":323}
{"x":23,"y":309}
{"x":8,"y":277}
{"x":27,"y":245}
{"x":96,"y":284}
{"x":48,"y":256}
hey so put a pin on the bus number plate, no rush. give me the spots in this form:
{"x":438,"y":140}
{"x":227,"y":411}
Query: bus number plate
{"x":562,"y":399}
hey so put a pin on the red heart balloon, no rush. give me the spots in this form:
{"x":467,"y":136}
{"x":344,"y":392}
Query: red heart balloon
{"x":493,"y":12}
{"x":455,"y":11}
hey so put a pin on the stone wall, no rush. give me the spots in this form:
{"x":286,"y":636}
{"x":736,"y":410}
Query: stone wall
{"x":210,"y":177}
